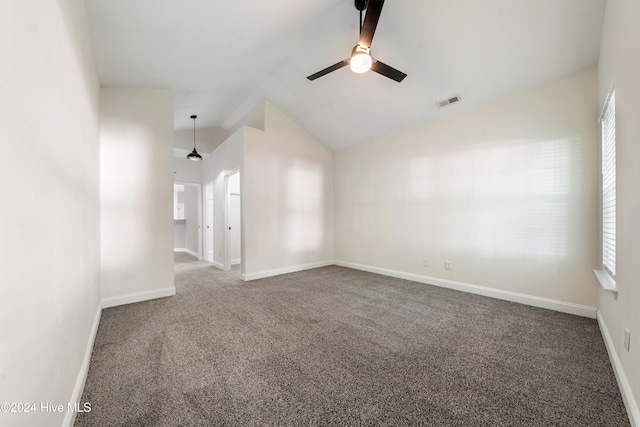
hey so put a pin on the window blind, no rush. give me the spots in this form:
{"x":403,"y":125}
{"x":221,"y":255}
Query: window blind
{"x":608,"y":124}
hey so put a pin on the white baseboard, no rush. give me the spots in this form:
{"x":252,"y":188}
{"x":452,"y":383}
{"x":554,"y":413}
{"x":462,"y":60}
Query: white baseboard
{"x":236,"y":261}
{"x":218,"y":265}
{"x":78,"y":388}
{"x":188,"y":251}
{"x":625,"y":389}
{"x":551,"y":304}
{"x":285,"y":270}
{"x":138,"y":297}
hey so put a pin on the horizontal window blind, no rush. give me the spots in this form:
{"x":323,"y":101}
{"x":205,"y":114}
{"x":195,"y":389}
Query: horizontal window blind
{"x":608,"y":123}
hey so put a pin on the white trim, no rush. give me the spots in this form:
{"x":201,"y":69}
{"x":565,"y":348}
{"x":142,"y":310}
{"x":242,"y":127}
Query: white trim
{"x":285,"y":270}
{"x":188,"y":251}
{"x":218,"y":265}
{"x":607,"y":99}
{"x":236,"y":261}
{"x":76,"y":395}
{"x":625,"y":389}
{"x":200,"y":225}
{"x":138,"y":297}
{"x":551,"y":304}
{"x":606,"y":281}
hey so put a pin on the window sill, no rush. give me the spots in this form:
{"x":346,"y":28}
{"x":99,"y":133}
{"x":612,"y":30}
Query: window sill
{"x":606,"y":281}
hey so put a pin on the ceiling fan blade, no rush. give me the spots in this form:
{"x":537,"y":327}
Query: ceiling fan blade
{"x":328,"y":70}
{"x":374,"y":8}
{"x":387,"y":71}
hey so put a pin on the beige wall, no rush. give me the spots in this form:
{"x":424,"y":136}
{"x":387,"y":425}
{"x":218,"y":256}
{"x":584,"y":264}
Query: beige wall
{"x":49,"y":221}
{"x":185,"y":170}
{"x":287,"y":198}
{"x":619,"y":65}
{"x":506,"y":191}
{"x":136,"y":193}
{"x":207,"y":139}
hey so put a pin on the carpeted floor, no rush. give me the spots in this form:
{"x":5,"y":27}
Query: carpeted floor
{"x":335,"y":346}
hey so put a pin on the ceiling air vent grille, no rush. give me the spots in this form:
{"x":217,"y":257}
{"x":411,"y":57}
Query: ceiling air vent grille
{"x":451,"y":100}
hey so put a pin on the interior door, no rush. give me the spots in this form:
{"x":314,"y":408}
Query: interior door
{"x":234,"y":229}
{"x":209,"y":222}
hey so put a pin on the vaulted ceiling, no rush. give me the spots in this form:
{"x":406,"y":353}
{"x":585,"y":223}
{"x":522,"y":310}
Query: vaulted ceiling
{"x":223,"y":57}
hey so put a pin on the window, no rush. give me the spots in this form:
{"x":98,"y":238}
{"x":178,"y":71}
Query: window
{"x":608,"y":126}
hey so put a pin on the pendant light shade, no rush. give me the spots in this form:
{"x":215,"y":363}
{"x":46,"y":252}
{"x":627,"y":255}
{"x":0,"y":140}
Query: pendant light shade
{"x":194,"y":154}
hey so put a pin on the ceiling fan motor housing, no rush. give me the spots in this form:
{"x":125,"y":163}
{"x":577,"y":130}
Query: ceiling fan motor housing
{"x":361,"y":4}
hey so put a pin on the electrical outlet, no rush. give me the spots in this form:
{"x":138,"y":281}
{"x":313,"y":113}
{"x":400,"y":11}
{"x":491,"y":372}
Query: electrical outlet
{"x":447,"y":265}
{"x":627,"y":339}
{"x":425,"y":262}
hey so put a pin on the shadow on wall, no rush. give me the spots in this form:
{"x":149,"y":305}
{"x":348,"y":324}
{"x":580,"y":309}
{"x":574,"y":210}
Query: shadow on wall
{"x":303,"y":201}
{"x":507,"y":198}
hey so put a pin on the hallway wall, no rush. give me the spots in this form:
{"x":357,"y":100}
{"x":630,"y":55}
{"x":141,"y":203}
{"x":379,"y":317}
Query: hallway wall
{"x":136,"y":193}
{"x":50,"y":216}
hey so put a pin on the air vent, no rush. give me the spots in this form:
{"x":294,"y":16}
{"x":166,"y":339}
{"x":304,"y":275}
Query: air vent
{"x":448,"y":101}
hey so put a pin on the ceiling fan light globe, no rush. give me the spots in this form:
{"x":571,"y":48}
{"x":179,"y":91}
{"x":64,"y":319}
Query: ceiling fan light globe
{"x":360,"y":62}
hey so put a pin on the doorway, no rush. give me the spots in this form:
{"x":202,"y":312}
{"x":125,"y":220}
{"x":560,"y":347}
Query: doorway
{"x":187,"y":218}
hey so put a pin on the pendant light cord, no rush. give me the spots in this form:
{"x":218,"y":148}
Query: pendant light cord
{"x":194,"y":132}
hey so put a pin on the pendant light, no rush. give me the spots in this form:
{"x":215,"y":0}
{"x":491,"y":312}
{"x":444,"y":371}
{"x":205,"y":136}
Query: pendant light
{"x":194,"y":154}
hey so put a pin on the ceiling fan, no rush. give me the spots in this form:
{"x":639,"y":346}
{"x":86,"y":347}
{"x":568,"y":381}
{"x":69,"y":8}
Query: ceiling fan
{"x":361,"y":60}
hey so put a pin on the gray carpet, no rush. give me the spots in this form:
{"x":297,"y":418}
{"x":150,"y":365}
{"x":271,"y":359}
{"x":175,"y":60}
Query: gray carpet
{"x":335,"y":346}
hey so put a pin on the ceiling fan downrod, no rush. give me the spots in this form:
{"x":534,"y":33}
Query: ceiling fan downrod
{"x":360,"y":6}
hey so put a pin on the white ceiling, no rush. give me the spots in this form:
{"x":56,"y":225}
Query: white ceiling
{"x":223,"y":57}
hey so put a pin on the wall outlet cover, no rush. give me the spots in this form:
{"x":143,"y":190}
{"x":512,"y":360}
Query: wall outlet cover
{"x":627,"y":339}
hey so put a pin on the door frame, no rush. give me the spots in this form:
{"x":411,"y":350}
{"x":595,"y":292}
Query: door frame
{"x":226,"y":207}
{"x":211,"y":235}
